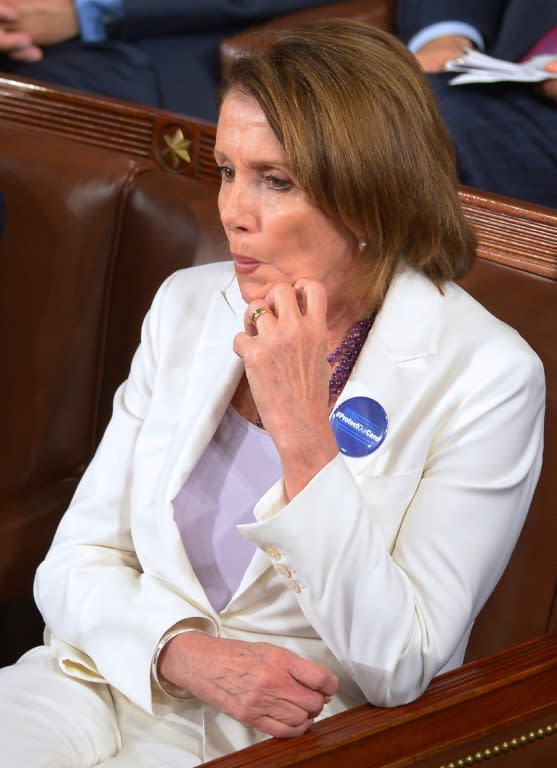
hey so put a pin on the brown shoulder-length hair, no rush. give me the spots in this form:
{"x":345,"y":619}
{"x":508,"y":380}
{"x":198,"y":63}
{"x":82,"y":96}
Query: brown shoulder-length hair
{"x":361,"y":129}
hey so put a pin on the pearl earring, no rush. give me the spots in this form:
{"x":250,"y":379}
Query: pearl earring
{"x":361,"y":245}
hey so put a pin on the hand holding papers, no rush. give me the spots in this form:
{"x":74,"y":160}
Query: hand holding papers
{"x":478,"y":67}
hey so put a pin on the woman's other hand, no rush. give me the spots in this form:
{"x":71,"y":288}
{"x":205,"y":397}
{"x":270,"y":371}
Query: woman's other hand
{"x":258,"y":684}
{"x":285,"y":358}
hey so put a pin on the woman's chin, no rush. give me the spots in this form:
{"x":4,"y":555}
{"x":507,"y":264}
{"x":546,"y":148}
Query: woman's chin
{"x":252,"y":289}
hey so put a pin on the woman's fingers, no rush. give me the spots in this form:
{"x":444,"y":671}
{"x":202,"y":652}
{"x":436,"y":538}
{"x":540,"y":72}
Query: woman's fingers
{"x":254,"y":314}
{"x":258,"y":684}
{"x":313,"y":676}
{"x":281,"y":730}
{"x":304,"y":299}
{"x":286,"y":302}
{"x":285,"y":358}
{"x":312,"y":299}
{"x":284,"y":703}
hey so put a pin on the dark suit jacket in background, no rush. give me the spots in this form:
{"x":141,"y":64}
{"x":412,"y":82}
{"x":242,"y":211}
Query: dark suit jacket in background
{"x":509,"y":29}
{"x":505,"y":134}
{"x":164,"y":53}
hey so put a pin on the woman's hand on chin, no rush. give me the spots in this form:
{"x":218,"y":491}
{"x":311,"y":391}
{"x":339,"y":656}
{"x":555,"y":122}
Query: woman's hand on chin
{"x":285,"y":357}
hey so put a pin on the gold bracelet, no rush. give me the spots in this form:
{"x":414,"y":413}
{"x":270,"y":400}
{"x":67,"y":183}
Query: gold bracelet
{"x":174,"y":691}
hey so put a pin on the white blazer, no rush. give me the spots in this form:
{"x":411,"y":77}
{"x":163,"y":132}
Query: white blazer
{"x":377,"y":569}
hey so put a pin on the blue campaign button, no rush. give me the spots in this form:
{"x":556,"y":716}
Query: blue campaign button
{"x":359,"y":426}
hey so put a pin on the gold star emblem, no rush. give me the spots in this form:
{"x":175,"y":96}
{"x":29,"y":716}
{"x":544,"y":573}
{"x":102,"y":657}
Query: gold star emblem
{"x":177,"y":149}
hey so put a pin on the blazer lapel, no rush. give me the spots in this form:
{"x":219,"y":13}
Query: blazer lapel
{"x":212,"y":380}
{"x":214,"y":376}
{"x":403,"y":338}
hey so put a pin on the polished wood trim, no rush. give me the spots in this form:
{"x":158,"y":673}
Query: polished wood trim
{"x":112,"y":124}
{"x":477,"y":700}
{"x":513,"y":234}
{"x":504,"y":748}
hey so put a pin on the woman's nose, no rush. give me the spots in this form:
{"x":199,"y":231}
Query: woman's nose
{"x":237,"y":207}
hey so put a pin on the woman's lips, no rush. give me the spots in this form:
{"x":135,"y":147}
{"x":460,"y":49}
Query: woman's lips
{"x":244,"y":265}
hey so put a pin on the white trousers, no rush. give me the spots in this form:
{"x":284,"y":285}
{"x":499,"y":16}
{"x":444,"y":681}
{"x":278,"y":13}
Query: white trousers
{"x":50,"y":720}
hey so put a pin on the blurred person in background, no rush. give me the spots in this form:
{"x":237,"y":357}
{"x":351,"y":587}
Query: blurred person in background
{"x":162,"y":53}
{"x":504,"y":133}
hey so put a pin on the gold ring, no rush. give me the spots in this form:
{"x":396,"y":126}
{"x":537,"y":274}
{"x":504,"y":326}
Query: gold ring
{"x":256,"y":314}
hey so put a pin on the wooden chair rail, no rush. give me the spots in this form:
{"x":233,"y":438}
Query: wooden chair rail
{"x":511,"y":234}
{"x":171,"y":142}
{"x":482,"y":701}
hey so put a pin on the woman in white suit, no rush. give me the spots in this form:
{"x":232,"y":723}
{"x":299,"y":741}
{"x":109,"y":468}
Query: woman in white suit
{"x":323,"y":455}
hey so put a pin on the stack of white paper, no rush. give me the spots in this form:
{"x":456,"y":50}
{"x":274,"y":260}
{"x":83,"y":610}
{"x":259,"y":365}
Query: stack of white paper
{"x":479,"y":68}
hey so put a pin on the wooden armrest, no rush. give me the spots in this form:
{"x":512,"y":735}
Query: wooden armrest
{"x":377,"y":12}
{"x":504,"y":703}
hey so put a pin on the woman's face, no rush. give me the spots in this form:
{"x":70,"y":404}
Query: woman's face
{"x":275,"y":234}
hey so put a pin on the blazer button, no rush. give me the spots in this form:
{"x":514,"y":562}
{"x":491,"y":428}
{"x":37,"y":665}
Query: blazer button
{"x":273,"y":553}
{"x":283,"y":571}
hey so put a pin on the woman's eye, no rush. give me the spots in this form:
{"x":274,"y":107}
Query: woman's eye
{"x":226,"y":172}
{"x":276,"y":183}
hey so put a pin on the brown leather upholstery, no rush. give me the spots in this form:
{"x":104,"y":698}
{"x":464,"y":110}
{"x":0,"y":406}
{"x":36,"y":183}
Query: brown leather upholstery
{"x":57,"y":255}
{"x":99,"y":211}
{"x":170,"y":222}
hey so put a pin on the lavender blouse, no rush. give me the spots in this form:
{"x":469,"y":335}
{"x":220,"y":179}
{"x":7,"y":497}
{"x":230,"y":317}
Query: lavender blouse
{"x":238,"y":466}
